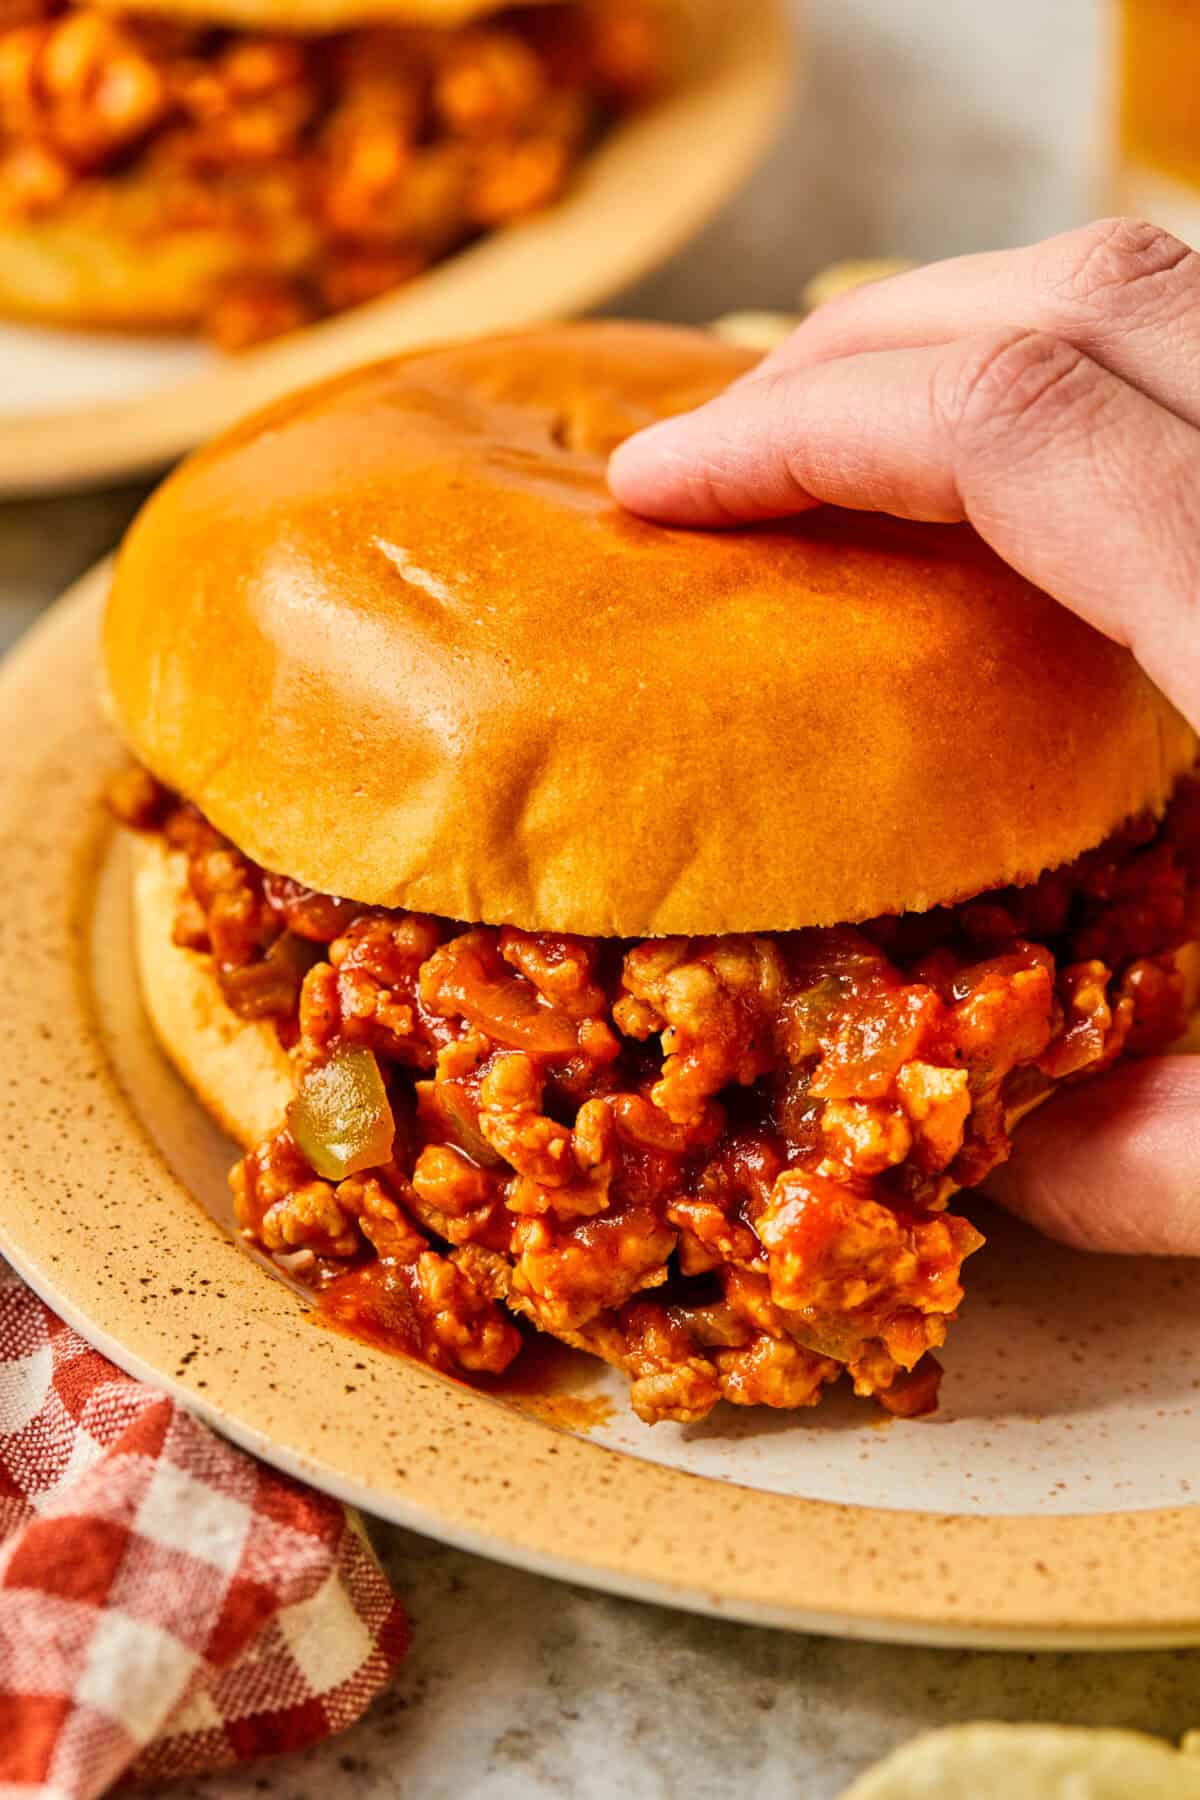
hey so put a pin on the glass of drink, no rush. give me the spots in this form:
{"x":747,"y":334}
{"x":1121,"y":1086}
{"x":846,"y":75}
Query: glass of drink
{"x":1158,"y":115}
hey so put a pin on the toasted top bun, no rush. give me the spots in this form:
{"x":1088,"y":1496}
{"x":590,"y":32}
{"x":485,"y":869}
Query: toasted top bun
{"x":311,"y":16}
{"x":396,"y":640}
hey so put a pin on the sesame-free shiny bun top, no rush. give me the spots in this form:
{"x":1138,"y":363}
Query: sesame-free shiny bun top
{"x":395,"y":638}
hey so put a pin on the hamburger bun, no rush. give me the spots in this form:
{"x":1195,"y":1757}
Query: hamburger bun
{"x":395,"y":639}
{"x":105,"y":260}
{"x":237,"y":1067}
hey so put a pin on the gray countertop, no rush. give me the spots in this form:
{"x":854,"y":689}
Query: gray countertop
{"x":520,"y":1687}
{"x":927,"y":129}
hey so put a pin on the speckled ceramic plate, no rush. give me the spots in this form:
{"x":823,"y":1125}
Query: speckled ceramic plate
{"x":1049,"y":1503}
{"x":78,"y":407}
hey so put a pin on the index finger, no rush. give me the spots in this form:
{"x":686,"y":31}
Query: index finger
{"x":1081,"y":483}
{"x":1111,"y":1165}
{"x":1124,"y":292}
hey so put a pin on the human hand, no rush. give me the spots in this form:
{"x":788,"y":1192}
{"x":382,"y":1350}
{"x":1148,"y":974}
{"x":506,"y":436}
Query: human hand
{"x":1051,"y":397}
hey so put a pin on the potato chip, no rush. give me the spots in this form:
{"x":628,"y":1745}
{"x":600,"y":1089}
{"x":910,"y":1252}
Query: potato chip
{"x":1036,"y":1762}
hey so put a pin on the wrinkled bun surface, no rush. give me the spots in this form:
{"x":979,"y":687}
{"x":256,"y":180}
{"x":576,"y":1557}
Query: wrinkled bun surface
{"x":237,"y":1067}
{"x":396,"y":640}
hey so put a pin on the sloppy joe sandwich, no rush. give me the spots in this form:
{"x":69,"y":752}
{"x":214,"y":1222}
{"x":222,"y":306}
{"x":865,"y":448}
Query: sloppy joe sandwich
{"x":247,"y":166}
{"x":630,"y":934}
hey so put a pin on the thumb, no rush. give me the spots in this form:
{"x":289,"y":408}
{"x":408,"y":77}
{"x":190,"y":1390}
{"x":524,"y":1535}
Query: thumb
{"x":1114,"y":1165}
{"x":722,"y":464}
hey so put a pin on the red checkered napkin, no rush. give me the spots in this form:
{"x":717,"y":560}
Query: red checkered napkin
{"x":167,"y":1605}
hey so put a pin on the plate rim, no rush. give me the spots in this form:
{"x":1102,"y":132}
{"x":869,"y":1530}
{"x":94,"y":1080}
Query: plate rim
{"x":475,"y":1473}
{"x":575,"y":255}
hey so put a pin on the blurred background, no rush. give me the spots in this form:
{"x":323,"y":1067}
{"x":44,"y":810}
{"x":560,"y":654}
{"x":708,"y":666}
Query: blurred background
{"x":920,"y":129}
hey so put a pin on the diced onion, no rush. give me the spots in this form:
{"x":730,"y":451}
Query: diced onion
{"x":462,"y":1126}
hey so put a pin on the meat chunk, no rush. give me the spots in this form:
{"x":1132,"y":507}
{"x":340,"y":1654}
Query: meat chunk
{"x":721,"y":1164}
{"x":716,"y":1001}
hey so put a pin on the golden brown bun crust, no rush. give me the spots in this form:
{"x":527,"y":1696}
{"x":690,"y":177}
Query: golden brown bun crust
{"x":313,"y":16}
{"x":238,"y":1068}
{"x":396,"y":640}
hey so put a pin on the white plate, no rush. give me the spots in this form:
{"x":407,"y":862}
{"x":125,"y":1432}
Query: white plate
{"x":1050,"y":1502}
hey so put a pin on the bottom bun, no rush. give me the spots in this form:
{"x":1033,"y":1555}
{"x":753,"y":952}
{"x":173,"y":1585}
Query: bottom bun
{"x":107,"y":259}
{"x":238,"y":1067}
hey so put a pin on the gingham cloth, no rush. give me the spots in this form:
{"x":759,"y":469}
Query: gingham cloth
{"x":167,"y":1605}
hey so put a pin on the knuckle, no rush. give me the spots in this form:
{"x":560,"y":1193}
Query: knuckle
{"x":1004,"y":381}
{"x":1122,"y":267}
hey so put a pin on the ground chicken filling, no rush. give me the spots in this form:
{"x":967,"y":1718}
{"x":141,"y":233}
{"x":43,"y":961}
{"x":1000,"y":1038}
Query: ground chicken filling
{"x":356,"y":159}
{"x":722,"y":1164}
